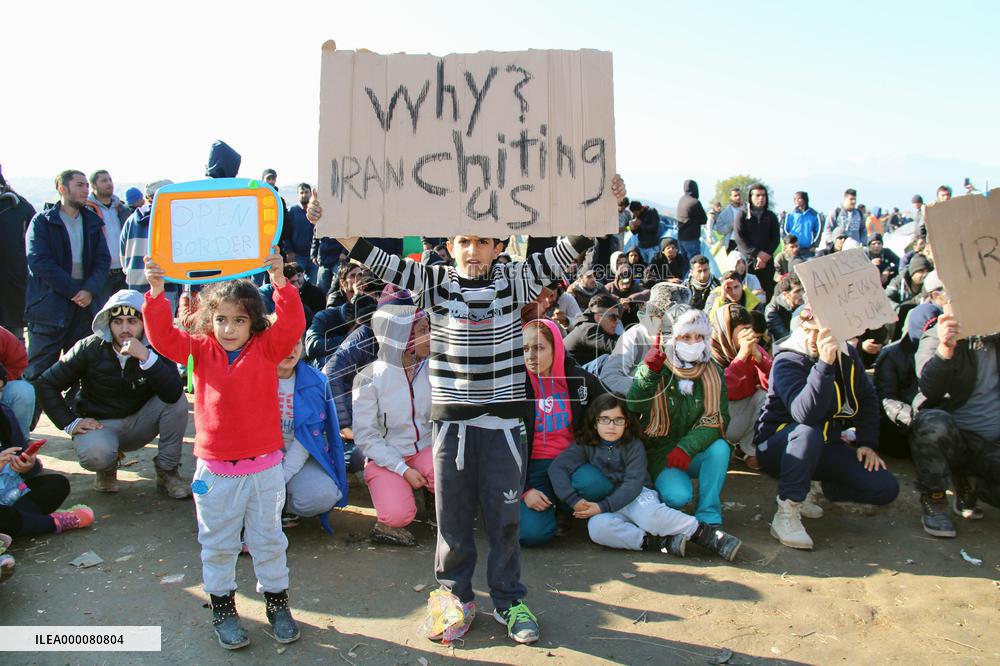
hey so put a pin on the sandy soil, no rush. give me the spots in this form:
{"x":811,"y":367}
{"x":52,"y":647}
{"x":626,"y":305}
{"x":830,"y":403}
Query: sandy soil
{"x":877,"y":589}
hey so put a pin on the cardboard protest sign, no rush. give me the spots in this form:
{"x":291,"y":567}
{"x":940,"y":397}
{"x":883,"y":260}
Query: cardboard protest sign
{"x":483,"y":144}
{"x":211,"y":230}
{"x":844,"y":290}
{"x":965,"y":238}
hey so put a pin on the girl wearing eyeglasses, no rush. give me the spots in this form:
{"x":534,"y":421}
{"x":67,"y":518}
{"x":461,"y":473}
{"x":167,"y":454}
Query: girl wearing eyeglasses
{"x":626,"y":513}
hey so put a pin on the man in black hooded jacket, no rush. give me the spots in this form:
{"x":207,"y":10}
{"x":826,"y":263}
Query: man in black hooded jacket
{"x":756,"y":231}
{"x":691,"y":217}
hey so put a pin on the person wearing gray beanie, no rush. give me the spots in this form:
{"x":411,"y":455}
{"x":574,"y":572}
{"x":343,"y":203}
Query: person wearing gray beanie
{"x":667,"y":301}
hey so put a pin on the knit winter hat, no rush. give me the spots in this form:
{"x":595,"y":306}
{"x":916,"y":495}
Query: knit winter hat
{"x":918,"y":262}
{"x":151,"y":188}
{"x":393,"y":295}
{"x":693,"y":321}
{"x":932,"y":282}
{"x":663,"y":295}
{"x":133,"y":196}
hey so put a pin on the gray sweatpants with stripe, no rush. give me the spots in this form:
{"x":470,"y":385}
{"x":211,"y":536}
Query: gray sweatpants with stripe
{"x":478,"y":467}
{"x":227,"y":504}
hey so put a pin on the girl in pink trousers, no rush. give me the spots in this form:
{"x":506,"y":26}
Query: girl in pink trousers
{"x":392,"y":407}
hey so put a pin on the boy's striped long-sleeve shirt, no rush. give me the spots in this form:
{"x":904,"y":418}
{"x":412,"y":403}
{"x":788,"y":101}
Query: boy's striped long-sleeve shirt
{"x":476,"y":363}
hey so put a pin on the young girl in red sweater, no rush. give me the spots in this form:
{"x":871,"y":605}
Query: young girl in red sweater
{"x":238,"y":480}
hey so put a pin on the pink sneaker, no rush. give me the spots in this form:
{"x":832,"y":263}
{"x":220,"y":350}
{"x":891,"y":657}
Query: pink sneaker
{"x":75,"y":517}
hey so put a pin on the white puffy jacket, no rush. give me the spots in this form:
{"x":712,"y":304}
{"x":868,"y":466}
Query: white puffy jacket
{"x":391,"y":419}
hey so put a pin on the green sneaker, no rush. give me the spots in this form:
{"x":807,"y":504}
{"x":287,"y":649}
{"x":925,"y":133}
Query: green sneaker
{"x":520,"y":622}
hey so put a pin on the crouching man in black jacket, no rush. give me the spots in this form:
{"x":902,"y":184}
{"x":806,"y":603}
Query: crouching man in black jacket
{"x":128,"y":396}
{"x":956,"y":434}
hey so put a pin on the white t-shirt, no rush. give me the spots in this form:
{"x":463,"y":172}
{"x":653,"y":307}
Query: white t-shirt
{"x":296,"y":455}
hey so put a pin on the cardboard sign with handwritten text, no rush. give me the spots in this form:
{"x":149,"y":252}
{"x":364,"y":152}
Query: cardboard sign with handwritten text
{"x":965,"y":238}
{"x":483,"y":144}
{"x":844,"y":290}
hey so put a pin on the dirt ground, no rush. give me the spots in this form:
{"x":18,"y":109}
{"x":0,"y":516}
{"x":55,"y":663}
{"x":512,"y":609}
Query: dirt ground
{"x":876,"y":589}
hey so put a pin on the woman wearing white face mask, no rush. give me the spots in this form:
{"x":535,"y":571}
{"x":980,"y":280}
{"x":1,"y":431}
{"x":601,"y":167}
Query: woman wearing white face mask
{"x":679,"y":394}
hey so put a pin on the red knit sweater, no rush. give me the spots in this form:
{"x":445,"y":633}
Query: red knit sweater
{"x":236,"y":406}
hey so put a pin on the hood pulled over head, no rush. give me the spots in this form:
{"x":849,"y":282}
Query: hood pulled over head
{"x":124,"y":301}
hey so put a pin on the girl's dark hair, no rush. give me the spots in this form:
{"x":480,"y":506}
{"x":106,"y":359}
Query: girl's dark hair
{"x":586,"y":432}
{"x":241,"y":292}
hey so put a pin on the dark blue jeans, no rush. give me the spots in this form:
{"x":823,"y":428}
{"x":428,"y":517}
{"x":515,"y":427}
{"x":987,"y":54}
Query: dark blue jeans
{"x":690,"y":248}
{"x":798,"y":455}
{"x":46,"y":342}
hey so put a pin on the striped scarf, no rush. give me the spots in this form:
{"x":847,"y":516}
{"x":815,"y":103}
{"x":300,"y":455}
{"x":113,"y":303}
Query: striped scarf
{"x":659,"y":414}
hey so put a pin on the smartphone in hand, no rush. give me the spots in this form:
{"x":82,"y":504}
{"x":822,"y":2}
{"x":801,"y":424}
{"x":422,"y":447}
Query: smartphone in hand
{"x":31,"y":450}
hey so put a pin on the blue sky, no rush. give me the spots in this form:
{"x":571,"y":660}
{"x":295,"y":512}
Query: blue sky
{"x":890,"y":97}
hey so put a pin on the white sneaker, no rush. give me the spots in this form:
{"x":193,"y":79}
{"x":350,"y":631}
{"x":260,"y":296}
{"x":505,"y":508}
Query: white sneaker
{"x":787,"y":526}
{"x":809,"y":507}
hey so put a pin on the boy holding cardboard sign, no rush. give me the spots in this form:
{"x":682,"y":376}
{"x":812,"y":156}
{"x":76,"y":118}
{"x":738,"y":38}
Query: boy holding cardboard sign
{"x":477,"y":384}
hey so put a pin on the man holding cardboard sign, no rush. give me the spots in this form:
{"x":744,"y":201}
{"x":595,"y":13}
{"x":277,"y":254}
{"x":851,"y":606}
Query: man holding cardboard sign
{"x":956,"y":434}
{"x":818,"y":391}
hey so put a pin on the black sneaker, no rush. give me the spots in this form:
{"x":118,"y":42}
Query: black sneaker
{"x":520,"y":622}
{"x":711,"y":537}
{"x":673,"y":544}
{"x":391,"y":536}
{"x":964,"y":502}
{"x":226,"y":622}
{"x":283,"y":627}
{"x":935,"y":515}
{"x":289,"y":520}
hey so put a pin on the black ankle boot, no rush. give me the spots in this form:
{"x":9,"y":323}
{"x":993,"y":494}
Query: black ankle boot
{"x":284,"y":628}
{"x":712,"y":538}
{"x":672,"y":545}
{"x":226,"y":622}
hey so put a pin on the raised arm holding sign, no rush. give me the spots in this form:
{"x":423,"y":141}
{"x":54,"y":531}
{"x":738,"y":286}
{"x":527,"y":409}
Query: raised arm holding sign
{"x":213,"y":230}
{"x":965,"y":235}
{"x":481,"y":144}
{"x":844,"y":290}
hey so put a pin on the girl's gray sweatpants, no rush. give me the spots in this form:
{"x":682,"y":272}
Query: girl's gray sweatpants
{"x":227,"y":504}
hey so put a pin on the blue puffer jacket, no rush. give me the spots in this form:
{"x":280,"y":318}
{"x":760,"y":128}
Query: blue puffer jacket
{"x":50,"y":267}
{"x":317,"y":428}
{"x":358,"y":350}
